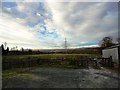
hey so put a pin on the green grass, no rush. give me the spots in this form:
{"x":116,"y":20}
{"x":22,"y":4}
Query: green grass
{"x":19,"y":73}
{"x":61,"y":66}
{"x":13,"y":72}
{"x":46,"y":56}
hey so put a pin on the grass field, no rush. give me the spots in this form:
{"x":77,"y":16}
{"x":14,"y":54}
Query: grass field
{"x":47,"y":56}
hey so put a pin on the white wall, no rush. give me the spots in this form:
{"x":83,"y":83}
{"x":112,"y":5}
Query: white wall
{"x":111,"y":52}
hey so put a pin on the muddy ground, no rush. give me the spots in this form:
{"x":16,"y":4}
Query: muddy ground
{"x":63,"y":78}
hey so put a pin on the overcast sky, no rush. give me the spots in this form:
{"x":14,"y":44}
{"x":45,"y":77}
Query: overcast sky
{"x":45,"y":25}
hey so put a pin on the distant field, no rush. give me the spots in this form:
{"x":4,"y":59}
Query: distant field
{"x":47,"y":56}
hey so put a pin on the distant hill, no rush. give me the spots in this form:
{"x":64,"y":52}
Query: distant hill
{"x":86,"y":50}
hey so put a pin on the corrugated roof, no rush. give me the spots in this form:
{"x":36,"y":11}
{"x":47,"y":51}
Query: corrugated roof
{"x":118,"y":45}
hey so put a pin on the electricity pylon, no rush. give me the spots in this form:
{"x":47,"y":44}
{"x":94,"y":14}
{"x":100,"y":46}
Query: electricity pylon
{"x":66,"y":45}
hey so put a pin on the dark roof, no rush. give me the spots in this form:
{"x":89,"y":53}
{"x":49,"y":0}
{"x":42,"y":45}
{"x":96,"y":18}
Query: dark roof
{"x":117,"y":45}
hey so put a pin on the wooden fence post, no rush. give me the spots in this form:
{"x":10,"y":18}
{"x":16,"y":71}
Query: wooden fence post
{"x":110,"y":61}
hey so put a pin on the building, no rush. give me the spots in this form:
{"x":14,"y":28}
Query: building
{"x":113,"y":51}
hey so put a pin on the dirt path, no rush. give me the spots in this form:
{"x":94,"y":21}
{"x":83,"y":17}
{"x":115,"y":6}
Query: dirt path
{"x":63,"y":78}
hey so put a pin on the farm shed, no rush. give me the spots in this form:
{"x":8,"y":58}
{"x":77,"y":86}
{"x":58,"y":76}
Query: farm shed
{"x":113,"y":51}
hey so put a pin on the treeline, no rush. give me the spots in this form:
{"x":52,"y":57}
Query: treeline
{"x":4,"y":51}
{"x":94,"y":50}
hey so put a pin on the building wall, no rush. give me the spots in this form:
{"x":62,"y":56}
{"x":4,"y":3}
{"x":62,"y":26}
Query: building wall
{"x":111,"y":52}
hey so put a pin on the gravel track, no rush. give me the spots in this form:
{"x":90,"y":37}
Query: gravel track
{"x":63,"y":78}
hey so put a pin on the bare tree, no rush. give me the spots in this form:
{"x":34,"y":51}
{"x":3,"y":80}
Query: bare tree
{"x":16,"y":47}
{"x":106,"y":42}
{"x":5,"y":44}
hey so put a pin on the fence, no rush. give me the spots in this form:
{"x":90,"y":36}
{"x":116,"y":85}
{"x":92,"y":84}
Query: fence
{"x":80,"y":61}
{"x":29,"y":62}
{"x":106,"y":62}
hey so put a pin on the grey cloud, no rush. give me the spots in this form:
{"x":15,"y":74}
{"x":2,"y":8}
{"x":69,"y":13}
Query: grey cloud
{"x":88,"y":22}
{"x":83,"y":23}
